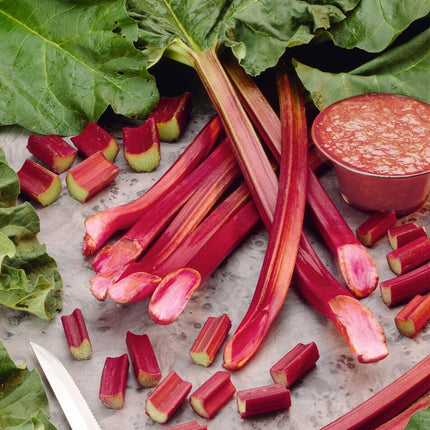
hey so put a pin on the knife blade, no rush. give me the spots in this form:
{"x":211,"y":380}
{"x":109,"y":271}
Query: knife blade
{"x":72,"y":402}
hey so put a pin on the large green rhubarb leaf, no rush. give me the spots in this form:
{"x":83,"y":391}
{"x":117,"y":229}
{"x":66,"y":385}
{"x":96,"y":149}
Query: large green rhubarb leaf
{"x":64,"y":62}
{"x":404,"y":69}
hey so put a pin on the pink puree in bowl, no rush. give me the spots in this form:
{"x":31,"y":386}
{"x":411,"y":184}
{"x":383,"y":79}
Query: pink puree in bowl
{"x":380,"y":148}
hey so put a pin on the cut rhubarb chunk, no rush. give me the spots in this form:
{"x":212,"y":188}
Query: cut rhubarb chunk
{"x":210,"y":339}
{"x":172,"y":295}
{"x":414,"y":316}
{"x":143,"y":359}
{"x":94,"y":138}
{"x":213,"y":394}
{"x":405,"y":233}
{"x":402,"y":288}
{"x":190,"y":425}
{"x":90,"y":176}
{"x":114,"y":381}
{"x":295,"y":364}
{"x":137,"y":286}
{"x":171,"y":115}
{"x":39,"y":183}
{"x":388,"y":402}
{"x":409,"y":256}
{"x":167,"y":397}
{"x":256,"y":401}
{"x":141,"y":146}
{"x":52,"y":150}
{"x":76,"y":334}
{"x":376,"y":226}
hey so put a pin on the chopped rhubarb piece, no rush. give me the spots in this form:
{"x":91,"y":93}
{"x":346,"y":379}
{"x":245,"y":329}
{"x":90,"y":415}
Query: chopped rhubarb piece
{"x":399,"y":421}
{"x":172,"y":115}
{"x":388,"y":402}
{"x":375,"y":227}
{"x":260,"y":400}
{"x":114,"y":381}
{"x":143,"y":359}
{"x":137,"y":286}
{"x":39,"y":183}
{"x":77,"y":336}
{"x":141,"y":146}
{"x":213,"y":394}
{"x":414,"y":316}
{"x":99,"y":227}
{"x":293,"y":365}
{"x":167,"y":397}
{"x":90,"y":176}
{"x":402,"y":288}
{"x":356,"y":323}
{"x":405,"y":233}
{"x":94,"y":138}
{"x":52,"y":150}
{"x":210,"y":339}
{"x":190,"y":425}
{"x":409,"y":256}
{"x":172,"y":295}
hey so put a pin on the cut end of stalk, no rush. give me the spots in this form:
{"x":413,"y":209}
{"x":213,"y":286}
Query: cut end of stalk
{"x":172,"y":295}
{"x":144,"y":162}
{"x":100,"y":284}
{"x":134,"y":287}
{"x":155,"y":414}
{"x":358,"y":270}
{"x":361,"y":330}
{"x":245,"y":342}
{"x":83,"y":351}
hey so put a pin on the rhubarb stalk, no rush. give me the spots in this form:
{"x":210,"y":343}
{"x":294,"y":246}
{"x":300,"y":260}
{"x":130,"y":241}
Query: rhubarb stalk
{"x":278,"y":264}
{"x":99,"y":227}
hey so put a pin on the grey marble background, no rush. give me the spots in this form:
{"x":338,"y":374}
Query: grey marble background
{"x":337,"y":383}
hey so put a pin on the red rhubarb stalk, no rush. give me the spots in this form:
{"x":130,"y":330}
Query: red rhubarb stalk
{"x":189,"y":425}
{"x":213,"y":394}
{"x":136,"y":240}
{"x":172,"y":295}
{"x":210,"y":339}
{"x":388,"y":402}
{"x":357,"y":267}
{"x":143,"y":359}
{"x":278,"y":264}
{"x":76,"y":334}
{"x":414,"y":316}
{"x":402,"y":288}
{"x":356,"y":323}
{"x":402,"y":234}
{"x":166,"y":398}
{"x":113,"y":381}
{"x":375,"y":227}
{"x":260,"y":400}
{"x":99,"y":227}
{"x":293,"y":365}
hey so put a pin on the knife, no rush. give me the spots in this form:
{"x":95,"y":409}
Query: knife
{"x":72,"y":402}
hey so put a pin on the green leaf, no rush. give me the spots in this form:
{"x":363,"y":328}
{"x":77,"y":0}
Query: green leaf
{"x":23,"y":400}
{"x":64,"y":62}
{"x":374,"y":25}
{"x":9,"y":183}
{"x":420,"y":420}
{"x":402,"y":70}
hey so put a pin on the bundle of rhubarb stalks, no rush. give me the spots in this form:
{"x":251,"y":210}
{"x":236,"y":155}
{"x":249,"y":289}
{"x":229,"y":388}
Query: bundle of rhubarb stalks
{"x":250,"y":166}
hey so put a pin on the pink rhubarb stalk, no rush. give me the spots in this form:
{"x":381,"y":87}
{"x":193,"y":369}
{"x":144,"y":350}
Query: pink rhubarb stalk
{"x":189,"y":425}
{"x":375,"y":227}
{"x":213,"y":394}
{"x":293,"y":365}
{"x":402,"y":234}
{"x":143,"y":359}
{"x":356,"y":323}
{"x":77,"y":336}
{"x":387,"y":403}
{"x":166,"y":398}
{"x":172,"y":295}
{"x":279,"y":261}
{"x":402,"y":288}
{"x":99,"y":227}
{"x":414,"y":316}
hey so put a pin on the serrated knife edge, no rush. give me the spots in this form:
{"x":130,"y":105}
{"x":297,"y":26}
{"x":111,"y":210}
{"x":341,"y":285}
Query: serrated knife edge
{"x":72,"y":402}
